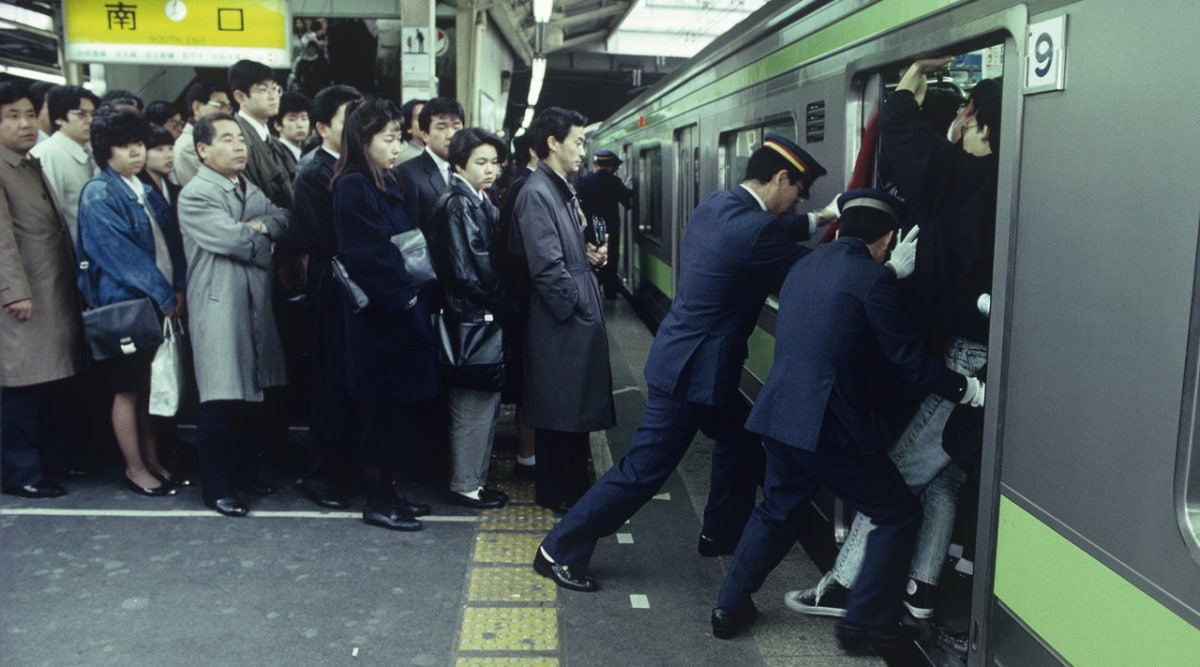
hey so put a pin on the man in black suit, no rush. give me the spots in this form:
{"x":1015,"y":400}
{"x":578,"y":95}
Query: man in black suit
{"x":841,"y":326}
{"x":424,"y":177}
{"x":600,"y":192}
{"x":332,"y":418}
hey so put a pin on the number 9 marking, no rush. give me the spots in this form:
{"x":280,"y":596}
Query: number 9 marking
{"x":1043,"y":52}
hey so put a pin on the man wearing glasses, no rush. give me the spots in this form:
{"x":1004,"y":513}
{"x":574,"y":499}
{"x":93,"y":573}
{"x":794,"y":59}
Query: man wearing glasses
{"x":66,"y":157}
{"x":257,"y":97}
{"x":203,"y":98}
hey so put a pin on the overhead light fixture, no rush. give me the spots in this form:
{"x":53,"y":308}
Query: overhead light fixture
{"x":527,"y":119}
{"x":27,"y":73}
{"x":542,"y":10}
{"x":536,"y":77}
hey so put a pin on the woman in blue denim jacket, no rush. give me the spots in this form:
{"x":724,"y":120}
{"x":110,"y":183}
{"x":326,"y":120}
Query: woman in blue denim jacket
{"x":133,"y":248}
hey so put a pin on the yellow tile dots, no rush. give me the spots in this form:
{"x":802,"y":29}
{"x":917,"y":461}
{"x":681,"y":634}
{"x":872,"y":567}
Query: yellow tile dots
{"x":509,"y":662}
{"x":510,"y":584}
{"x":518,"y":517}
{"x":509,"y":629}
{"x":499,"y":547}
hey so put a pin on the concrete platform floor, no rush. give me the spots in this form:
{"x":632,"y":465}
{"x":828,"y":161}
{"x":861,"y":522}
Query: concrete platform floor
{"x":104,"y":577}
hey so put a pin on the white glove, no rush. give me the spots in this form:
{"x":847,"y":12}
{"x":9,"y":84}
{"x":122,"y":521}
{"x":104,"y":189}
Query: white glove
{"x":973,"y":396}
{"x":904,"y":256}
{"x":831,"y":211}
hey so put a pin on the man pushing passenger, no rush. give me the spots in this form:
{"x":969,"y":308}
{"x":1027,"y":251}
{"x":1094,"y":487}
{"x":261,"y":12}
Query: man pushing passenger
{"x":737,"y":247}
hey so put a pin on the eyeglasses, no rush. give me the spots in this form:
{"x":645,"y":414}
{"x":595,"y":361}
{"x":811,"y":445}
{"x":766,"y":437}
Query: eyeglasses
{"x":83,"y":113}
{"x":264,"y":89}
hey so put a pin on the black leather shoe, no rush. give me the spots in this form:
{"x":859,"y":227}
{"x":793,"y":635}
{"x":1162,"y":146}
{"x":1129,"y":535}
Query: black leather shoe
{"x":163,"y":489}
{"x":489,"y":499}
{"x":257,"y":489}
{"x":39,"y":489}
{"x":562,"y":575}
{"x":865,"y":640}
{"x":324,"y":498}
{"x":394,"y":519}
{"x":173,"y":479}
{"x":229,"y":507}
{"x":710,"y":546}
{"x":727,"y":623}
{"x":559,"y":509}
{"x":406,"y":506}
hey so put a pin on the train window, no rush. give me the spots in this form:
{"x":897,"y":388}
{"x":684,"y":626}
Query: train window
{"x":737,"y":146}
{"x":650,"y":201}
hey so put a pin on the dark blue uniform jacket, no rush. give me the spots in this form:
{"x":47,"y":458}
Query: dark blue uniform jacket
{"x":733,"y":254}
{"x":841,"y":324}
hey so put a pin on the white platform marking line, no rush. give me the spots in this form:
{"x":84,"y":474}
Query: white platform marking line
{"x":624,"y":538}
{"x":662,"y":496}
{"x":638,"y":601}
{"x":624,"y":390}
{"x":162,"y":514}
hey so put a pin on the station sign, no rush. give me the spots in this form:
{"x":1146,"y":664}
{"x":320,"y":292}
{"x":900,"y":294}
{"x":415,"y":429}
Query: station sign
{"x":200,"y":33}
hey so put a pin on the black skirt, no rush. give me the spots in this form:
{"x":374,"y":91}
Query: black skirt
{"x":129,"y":373}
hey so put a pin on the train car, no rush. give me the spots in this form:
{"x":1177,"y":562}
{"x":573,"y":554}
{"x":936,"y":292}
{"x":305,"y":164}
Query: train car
{"x":1087,"y":547}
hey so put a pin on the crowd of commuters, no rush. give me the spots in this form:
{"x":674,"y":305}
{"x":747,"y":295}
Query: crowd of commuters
{"x":252,"y":198}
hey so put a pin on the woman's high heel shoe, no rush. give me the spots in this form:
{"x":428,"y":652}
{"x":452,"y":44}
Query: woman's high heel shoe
{"x":173,"y":479}
{"x":164,"y":490}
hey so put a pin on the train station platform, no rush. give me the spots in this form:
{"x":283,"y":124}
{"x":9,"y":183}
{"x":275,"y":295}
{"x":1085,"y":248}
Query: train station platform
{"x":104,"y":577}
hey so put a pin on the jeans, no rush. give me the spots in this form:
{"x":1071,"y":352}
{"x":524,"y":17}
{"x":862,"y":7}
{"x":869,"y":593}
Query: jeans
{"x":927,"y":470}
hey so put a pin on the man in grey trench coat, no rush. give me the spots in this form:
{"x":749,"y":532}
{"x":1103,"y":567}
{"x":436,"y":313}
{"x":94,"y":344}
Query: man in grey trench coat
{"x":567,"y":389}
{"x":229,"y":229}
{"x":41,"y":335}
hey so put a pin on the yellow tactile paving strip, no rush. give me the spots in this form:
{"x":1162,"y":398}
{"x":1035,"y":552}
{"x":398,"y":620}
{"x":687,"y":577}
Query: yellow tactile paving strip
{"x":510,"y":614}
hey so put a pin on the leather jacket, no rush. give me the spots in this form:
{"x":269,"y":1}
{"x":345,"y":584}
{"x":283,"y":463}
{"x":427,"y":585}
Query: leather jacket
{"x":466,"y":252}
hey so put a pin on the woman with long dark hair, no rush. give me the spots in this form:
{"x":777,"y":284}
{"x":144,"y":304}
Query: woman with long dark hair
{"x":391,"y":362}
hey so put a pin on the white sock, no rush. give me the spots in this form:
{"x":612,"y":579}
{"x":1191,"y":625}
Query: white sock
{"x":527,"y":460}
{"x":473,"y":495}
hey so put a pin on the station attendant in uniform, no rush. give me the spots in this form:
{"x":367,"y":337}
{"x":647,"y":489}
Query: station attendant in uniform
{"x":841,"y":326}
{"x":738,"y":245}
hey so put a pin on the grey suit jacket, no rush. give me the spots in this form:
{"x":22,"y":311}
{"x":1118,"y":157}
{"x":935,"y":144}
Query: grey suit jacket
{"x":421,"y":184}
{"x":234,"y":336}
{"x":268,"y":167}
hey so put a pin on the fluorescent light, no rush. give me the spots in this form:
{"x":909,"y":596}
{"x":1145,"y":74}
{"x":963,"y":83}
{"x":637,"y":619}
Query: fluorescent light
{"x":536,"y":77}
{"x":528,"y":118}
{"x":33,"y":74}
{"x":542,"y":10}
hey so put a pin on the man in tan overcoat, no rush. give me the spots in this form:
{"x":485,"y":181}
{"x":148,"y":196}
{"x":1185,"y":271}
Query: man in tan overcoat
{"x":41,"y":335}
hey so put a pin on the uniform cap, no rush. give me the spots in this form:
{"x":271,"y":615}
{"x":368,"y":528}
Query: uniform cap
{"x":608,"y":157}
{"x":797,"y":156}
{"x":872,"y":198}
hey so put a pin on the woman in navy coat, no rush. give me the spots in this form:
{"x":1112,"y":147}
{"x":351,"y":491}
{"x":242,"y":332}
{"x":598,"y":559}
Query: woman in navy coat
{"x":391,"y":361}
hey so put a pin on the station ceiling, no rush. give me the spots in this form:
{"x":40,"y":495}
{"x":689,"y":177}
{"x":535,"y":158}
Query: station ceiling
{"x":603,"y":53}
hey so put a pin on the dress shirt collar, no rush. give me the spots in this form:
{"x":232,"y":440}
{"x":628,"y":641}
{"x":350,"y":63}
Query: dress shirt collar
{"x":259,"y":128}
{"x":292,"y":147}
{"x":336,"y":156}
{"x":755,"y":195}
{"x":443,"y":167}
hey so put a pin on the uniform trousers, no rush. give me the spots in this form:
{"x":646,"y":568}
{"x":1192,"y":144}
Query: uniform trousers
{"x":867,"y":482}
{"x":227,"y":440}
{"x":668,"y":427}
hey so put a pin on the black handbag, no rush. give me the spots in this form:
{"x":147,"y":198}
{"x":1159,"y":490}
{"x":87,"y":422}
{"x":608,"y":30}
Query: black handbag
{"x":471,"y":354}
{"x":350,"y":289}
{"x":119,"y":328}
{"x":417,"y":261}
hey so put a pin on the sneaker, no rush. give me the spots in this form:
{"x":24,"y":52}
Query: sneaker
{"x":919,"y":597}
{"x":827,"y":599}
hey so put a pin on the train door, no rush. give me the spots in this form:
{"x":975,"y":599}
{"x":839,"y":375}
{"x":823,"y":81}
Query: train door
{"x":687,"y":186}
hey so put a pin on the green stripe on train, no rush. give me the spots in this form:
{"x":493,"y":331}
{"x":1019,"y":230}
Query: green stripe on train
{"x":1080,"y":607}
{"x":656,"y":271}
{"x":762,"y":353}
{"x":872,"y":20}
